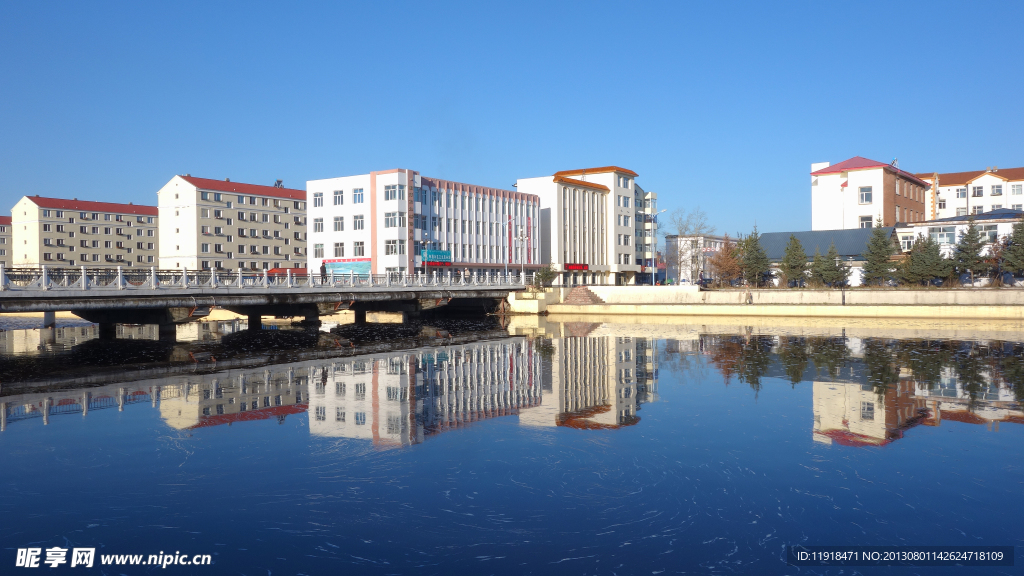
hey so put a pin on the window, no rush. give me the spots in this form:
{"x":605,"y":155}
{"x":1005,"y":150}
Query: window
{"x":961,"y":211}
{"x":339,"y":249}
{"x":997,"y":206}
{"x":204,"y":229}
{"x":961,"y":192}
{"x":989,"y":233}
{"x":1017,"y":207}
{"x":318,"y":199}
{"x":339,"y":223}
{"x":358,"y":249}
{"x":204,"y":195}
{"x":942,"y":204}
{"x":204,"y":213}
{"x":394,"y":192}
{"x":318,"y":250}
{"x":997,"y":190}
{"x":392,"y":247}
{"x":977,"y":191}
{"x":204,"y":248}
{"x":357,"y":222}
{"x":867,"y":410}
{"x":865,"y":221}
{"x":394,"y":219}
{"x":865,"y":196}
{"x":943,"y":234}
{"x":1016,"y":189}
{"x":318,"y":224}
{"x":339,"y":197}
{"x":977,"y":209}
{"x":357,"y":196}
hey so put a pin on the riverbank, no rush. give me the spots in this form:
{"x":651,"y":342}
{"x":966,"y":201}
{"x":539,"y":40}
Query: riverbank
{"x":995,"y":304}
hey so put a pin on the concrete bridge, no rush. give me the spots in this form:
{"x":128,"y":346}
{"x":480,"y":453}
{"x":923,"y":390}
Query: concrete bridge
{"x":167,"y":297}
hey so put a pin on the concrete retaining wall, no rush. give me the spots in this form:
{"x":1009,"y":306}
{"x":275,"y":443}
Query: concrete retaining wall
{"x":998,"y":312}
{"x":691,"y":295}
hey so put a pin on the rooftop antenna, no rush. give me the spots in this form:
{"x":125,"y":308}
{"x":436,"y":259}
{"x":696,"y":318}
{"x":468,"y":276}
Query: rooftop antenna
{"x":896,"y":163}
{"x":279,"y":184}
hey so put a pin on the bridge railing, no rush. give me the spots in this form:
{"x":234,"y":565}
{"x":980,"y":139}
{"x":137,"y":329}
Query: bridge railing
{"x":83,"y":278}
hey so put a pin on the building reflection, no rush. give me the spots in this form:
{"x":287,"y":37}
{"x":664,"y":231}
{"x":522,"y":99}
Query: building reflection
{"x":858,"y":415}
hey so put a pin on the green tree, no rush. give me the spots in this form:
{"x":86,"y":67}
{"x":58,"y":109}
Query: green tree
{"x":837,"y":273}
{"x":925,"y":262}
{"x":819,"y":268}
{"x":967,"y":253}
{"x":755,"y":261}
{"x":877,"y":264}
{"x":544,"y":277}
{"x":794,"y":261}
{"x":1013,"y":256}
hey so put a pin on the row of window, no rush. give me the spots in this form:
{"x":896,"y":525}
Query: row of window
{"x":489,"y":204}
{"x":251,"y":265}
{"x":996,"y":190}
{"x":96,"y":216}
{"x":357,"y":196}
{"x":358,"y":223}
{"x":107,"y":231}
{"x":358,"y":249}
{"x":205,"y":248}
{"x":83,"y":258}
{"x":252,"y":201}
{"x":251,"y":217}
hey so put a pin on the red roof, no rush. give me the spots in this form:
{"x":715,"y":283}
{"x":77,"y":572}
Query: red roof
{"x":861,"y":163}
{"x":575,"y":182}
{"x":600,"y":170}
{"x":90,"y":206}
{"x":240,"y":188}
{"x":5,"y":220}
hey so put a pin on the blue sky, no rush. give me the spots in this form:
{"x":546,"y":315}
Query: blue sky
{"x":715,"y":104}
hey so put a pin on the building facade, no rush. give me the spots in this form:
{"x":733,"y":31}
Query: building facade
{"x":5,"y":241}
{"x":397,"y":221}
{"x":687,"y":257}
{"x":858,"y":192}
{"x":222,"y":225}
{"x":964,"y":193}
{"x":58,"y":232}
{"x":597,"y":225}
{"x":994,"y":226}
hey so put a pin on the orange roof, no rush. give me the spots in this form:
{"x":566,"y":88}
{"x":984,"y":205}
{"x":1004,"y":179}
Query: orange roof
{"x":240,"y":188}
{"x":600,"y":170}
{"x":580,"y":183}
{"x":90,"y":206}
{"x":964,"y":178}
{"x":5,"y":219}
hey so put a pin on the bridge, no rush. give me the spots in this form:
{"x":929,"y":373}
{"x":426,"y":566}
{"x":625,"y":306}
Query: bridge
{"x":168,"y":297}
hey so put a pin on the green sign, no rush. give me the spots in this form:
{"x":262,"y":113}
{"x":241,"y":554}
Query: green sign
{"x":437,"y":256}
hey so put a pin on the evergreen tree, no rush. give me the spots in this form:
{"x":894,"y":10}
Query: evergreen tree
{"x":925,"y":262}
{"x":837,"y":273}
{"x":1013,"y":256}
{"x":794,"y":262}
{"x":819,"y":268}
{"x":755,"y":261}
{"x":877,"y":266}
{"x":967,"y":254}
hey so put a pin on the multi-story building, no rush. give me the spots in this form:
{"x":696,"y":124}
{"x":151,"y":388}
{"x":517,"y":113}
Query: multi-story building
{"x":597,"y":225}
{"x":58,"y":232}
{"x":400,"y":221}
{"x":687,"y":257}
{"x":994,"y":226}
{"x":965,"y":193}
{"x":857,"y":192}
{"x":5,"y":241}
{"x":223,"y":225}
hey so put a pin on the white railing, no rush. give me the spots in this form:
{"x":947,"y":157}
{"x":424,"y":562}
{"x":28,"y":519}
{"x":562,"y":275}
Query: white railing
{"x":82,"y":278}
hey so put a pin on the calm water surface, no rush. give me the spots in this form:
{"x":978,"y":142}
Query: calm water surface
{"x":558,"y":448}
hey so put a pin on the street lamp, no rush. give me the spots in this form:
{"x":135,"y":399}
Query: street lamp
{"x":521,"y":237}
{"x":654,"y":219}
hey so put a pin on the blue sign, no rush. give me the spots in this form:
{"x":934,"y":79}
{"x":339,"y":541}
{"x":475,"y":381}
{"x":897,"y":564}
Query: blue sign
{"x":437,"y":256}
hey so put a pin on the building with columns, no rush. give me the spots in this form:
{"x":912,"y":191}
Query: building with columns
{"x":597,"y":225}
{"x":402,"y":222}
{"x":858,"y":192}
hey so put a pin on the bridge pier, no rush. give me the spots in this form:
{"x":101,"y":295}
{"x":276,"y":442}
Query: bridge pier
{"x":360,"y":316}
{"x":167,"y":332}
{"x":108,"y":331}
{"x":49,"y":319}
{"x":255,"y":321}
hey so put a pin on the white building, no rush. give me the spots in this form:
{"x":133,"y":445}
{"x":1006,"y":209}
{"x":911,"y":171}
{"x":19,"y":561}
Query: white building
{"x":857,"y":192}
{"x":58,"y":232}
{"x":962,"y":193}
{"x":597,"y":225}
{"x":385,"y":221}
{"x":218,"y":224}
{"x":686,"y":257}
{"x":994,"y":225}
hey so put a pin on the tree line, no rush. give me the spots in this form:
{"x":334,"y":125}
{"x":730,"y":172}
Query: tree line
{"x":745,"y":261}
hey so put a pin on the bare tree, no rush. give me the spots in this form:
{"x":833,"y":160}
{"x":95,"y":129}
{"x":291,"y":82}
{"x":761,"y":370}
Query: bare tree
{"x":690,"y":225}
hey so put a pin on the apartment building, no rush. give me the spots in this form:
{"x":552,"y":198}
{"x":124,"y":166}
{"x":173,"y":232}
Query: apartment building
{"x":857,"y":192}
{"x":688,"y":257}
{"x":58,"y":232}
{"x":223,"y":225}
{"x":400,"y":221}
{"x":597,"y":225}
{"x":5,"y":241}
{"x":974,"y":192}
